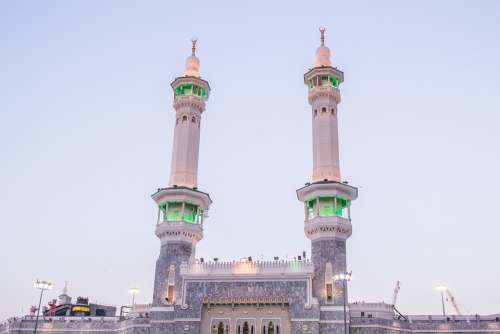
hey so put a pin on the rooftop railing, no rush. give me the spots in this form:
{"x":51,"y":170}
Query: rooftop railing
{"x":237,"y":268}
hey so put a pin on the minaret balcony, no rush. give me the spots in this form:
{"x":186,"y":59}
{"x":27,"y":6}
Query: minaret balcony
{"x":181,"y":213}
{"x":179,"y":231}
{"x":333,"y":93}
{"x":328,"y":227}
{"x":191,"y":86}
{"x":323,"y":71}
{"x":189,"y":101}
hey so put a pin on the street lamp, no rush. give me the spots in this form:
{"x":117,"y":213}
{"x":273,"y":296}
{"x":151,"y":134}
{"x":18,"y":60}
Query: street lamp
{"x":133,"y":292}
{"x":442,"y":289}
{"x":42,"y":286}
{"x":344,"y":278}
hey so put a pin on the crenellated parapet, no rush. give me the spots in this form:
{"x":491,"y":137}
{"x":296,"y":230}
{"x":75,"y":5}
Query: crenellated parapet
{"x":239,"y":269}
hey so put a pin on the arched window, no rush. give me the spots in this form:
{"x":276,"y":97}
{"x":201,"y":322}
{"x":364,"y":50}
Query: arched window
{"x":323,"y":110}
{"x":220,"y":328}
{"x":277,"y":329}
{"x":193,"y":119}
{"x":270,"y":329}
{"x":333,"y":111}
{"x":184,"y":118}
{"x":263,"y":329}
{"x":239,"y":329}
{"x":315,"y":112}
{"x":227,"y":329}
{"x":251,"y":330}
{"x":245,"y":328}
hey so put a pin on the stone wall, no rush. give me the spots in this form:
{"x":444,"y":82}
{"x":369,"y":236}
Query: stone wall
{"x":173,"y":252}
{"x":379,"y":326}
{"x":70,"y":325}
{"x":308,"y":325}
{"x":322,"y":252}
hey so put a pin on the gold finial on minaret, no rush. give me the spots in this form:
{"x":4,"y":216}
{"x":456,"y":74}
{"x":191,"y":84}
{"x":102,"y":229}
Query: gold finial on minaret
{"x":193,"y":49}
{"x":192,"y":62}
{"x":322,"y":31}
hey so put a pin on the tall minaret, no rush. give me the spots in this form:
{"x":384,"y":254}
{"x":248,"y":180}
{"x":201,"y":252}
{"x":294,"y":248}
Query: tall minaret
{"x":181,"y":206}
{"x":191,"y":92}
{"x":327,"y":199}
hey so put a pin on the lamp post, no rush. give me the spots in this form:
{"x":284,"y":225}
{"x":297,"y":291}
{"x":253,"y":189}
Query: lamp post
{"x":133,"y":292}
{"x":344,"y":278}
{"x":442,"y":289}
{"x":42,"y":286}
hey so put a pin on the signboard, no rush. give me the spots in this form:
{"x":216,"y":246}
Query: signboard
{"x":80,"y":308}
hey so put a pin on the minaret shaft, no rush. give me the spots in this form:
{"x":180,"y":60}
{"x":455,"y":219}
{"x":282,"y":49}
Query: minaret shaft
{"x":185,"y":151}
{"x":325,"y":141}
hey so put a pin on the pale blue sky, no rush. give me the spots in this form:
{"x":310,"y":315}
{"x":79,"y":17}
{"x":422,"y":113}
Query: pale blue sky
{"x":86,"y":126}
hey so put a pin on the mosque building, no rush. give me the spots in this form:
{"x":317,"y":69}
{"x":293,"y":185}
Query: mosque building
{"x":299,"y":296}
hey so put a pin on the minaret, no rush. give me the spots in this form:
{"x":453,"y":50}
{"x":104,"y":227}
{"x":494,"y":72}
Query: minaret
{"x":181,"y":206}
{"x":327,"y":199}
{"x":63,"y":297}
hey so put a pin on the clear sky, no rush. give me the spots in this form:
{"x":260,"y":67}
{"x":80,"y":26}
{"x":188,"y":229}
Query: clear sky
{"x":86,"y":128}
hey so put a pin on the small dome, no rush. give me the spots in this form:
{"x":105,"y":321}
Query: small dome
{"x":323,"y":57}
{"x":192,"y":62}
{"x":322,"y":52}
{"x":192,"y":66}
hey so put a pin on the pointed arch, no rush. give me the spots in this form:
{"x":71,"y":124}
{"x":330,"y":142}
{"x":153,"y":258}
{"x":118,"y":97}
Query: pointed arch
{"x":246,"y":328}
{"x":270,"y":328}
{"x":220,"y":328}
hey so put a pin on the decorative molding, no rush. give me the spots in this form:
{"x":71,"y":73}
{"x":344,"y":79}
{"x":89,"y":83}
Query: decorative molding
{"x":327,"y":227}
{"x":182,"y":194}
{"x":331,"y":308}
{"x":240,"y":269}
{"x":162,"y":309}
{"x":307,"y":279}
{"x":179,"y":231}
{"x":324,"y":91}
{"x":430,"y":330}
{"x":329,"y":188}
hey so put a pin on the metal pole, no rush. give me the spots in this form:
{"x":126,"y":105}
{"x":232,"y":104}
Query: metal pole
{"x":38,"y":311}
{"x":345,"y":314}
{"x":133,"y":299}
{"x":442,"y":303}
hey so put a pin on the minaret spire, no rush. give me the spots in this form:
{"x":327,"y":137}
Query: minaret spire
{"x":322,"y":31}
{"x":193,"y":48}
{"x":322,"y":52}
{"x":192,"y":62}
